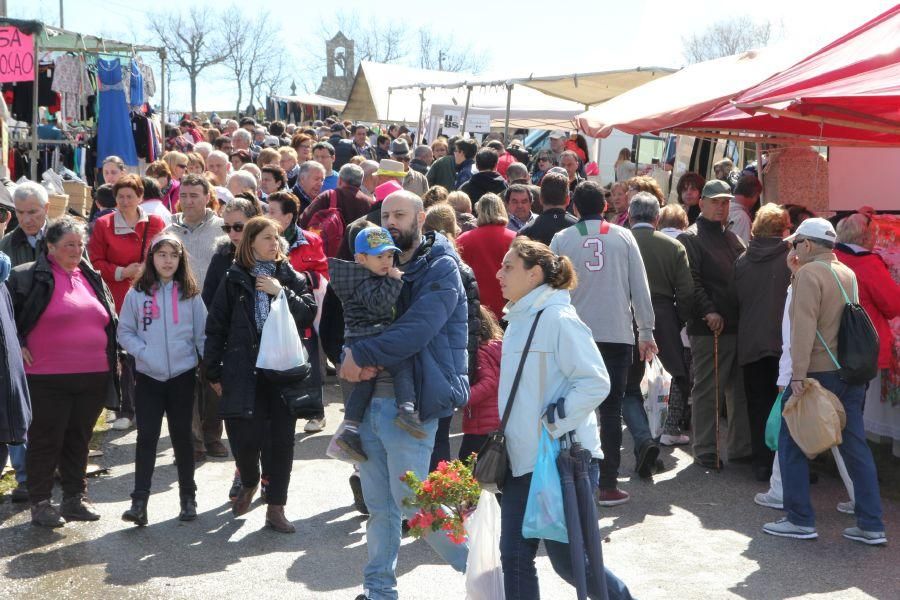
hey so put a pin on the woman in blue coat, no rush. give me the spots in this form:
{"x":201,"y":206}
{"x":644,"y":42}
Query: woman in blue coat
{"x":15,"y":404}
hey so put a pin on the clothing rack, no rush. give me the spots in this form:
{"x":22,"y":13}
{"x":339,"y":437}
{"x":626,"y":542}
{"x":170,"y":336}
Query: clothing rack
{"x":46,"y":39}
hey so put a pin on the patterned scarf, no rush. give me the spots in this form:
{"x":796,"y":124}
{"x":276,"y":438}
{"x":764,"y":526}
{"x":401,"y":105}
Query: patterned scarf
{"x":261,"y":308}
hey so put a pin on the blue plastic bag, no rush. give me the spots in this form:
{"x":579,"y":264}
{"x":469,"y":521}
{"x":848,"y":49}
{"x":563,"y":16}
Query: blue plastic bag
{"x":545,"y":516}
{"x":773,"y":423}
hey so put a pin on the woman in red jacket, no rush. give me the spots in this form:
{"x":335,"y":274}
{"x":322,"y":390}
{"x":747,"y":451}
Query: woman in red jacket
{"x":481,"y":416}
{"x":879,"y":295}
{"x":117,"y":249}
{"x":484,"y":247}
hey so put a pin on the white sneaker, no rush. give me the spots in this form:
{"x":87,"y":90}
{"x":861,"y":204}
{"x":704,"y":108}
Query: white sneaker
{"x":314,"y":425}
{"x":848,"y":507}
{"x":784,"y":528}
{"x":121,"y":424}
{"x":674,"y":440}
{"x":769,"y":500}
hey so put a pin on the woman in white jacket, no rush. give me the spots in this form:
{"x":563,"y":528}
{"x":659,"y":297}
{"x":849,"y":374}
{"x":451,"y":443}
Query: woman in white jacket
{"x":562,"y":362}
{"x":162,"y":324}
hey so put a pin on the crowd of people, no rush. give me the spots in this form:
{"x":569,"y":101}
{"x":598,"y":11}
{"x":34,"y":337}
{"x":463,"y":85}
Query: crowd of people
{"x":422,"y":274}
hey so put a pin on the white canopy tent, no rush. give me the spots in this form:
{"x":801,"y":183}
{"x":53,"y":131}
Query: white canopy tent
{"x":401,"y":94}
{"x":312,"y":100}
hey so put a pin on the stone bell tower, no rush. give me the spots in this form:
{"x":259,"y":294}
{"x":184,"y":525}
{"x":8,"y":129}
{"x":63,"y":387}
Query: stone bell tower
{"x":341,"y":68}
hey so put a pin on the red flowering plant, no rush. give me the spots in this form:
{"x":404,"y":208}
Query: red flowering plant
{"x":443,"y":500}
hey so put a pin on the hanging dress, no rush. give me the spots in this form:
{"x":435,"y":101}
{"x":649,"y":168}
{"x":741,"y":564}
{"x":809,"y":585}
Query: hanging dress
{"x":114,"y":123}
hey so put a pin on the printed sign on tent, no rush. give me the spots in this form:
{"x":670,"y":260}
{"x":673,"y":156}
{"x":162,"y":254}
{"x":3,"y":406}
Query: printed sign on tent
{"x":16,"y":56}
{"x":478,"y":123}
{"x":450,"y":124}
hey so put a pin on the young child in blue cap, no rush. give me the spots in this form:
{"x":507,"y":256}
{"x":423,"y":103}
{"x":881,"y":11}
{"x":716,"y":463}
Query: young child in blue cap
{"x":368,"y":290}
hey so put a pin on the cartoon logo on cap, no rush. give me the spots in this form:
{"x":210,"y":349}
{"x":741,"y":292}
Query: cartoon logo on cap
{"x":377,"y":238}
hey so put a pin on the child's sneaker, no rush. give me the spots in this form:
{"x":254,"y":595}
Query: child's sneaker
{"x":350,"y":443}
{"x":409,"y":422}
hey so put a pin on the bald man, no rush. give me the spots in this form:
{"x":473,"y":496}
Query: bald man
{"x":431,"y":328}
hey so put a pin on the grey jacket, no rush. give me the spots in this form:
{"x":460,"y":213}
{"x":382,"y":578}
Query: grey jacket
{"x":200,"y":241}
{"x":369,"y":301}
{"x":164,"y":335}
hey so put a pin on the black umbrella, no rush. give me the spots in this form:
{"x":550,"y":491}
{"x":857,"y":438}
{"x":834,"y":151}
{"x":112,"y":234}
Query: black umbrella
{"x":574,"y":463}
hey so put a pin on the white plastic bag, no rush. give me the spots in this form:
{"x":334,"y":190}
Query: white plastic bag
{"x":336,"y":452}
{"x":484,"y":574}
{"x":280,"y":346}
{"x":655,"y":387}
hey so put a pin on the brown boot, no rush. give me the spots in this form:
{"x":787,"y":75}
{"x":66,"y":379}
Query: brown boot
{"x":242,"y":504}
{"x":276,"y":520}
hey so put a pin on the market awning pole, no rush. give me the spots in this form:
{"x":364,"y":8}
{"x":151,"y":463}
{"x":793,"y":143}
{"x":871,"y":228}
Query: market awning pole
{"x":466,"y":110}
{"x":509,"y":88}
{"x":162,"y":75}
{"x":35,"y":119}
{"x":421,"y":112}
{"x":759,"y":170}
{"x":387,"y":115}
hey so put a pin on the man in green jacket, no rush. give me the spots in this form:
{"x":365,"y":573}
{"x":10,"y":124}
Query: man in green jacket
{"x":26,"y":241}
{"x":443,"y":170}
{"x":671,"y":292}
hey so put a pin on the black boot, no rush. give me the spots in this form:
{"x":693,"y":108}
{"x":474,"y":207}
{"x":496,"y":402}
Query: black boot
{"x":188,"y":509}
{"x":137,"y":514}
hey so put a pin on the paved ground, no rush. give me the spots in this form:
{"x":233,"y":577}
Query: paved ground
{"x":689,"y":534}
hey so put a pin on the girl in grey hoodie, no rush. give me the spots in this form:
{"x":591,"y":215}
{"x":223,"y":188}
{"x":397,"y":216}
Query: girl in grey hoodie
{"x":162,"y":324}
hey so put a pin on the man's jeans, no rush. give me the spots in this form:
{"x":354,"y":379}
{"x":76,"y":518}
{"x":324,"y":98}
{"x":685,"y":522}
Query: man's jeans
{"x":636,"y":419}
{"x":856,"y":453}
{"x":17,"y":460}
{"x":392,"y":452}
{"x":617,"y":358}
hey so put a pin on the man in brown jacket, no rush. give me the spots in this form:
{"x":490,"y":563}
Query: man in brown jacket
{"x":815,"y":311}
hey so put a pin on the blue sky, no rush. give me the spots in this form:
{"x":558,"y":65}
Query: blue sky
{"x":542,"y":37}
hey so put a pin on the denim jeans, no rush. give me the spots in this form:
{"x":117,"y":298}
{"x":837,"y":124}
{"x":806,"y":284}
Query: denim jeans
{"x":636,"y":419}
{"x":517,"y":553}
{"x":856,"y":453}
{"x":617,"y":358}
{"x":16,"y":456}
{"x":392,"y":452}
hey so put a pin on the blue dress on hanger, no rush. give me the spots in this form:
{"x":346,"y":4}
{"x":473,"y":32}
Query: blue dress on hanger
{"x":114,"y":136}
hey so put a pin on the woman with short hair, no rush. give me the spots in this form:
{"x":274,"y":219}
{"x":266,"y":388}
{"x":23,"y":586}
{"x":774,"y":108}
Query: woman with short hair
{"x":66,"y":319}
{"x":117,"y":249}
{"x":562,"y":361}
{"x":761,"y":279}
{"x":483,"y":248}
{"x":251,"y":404}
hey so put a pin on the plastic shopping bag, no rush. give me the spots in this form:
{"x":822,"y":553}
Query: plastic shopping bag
{"x":336,"y":452}
{"x":280,"y":346}
{"x":655,"y":387}
{"x":484,"y":573}
{"x":545,"y":516}
{"x":815,"y":418}
{"x":773,"y":423}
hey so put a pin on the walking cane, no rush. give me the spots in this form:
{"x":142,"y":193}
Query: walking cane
{"x":716,"y":376}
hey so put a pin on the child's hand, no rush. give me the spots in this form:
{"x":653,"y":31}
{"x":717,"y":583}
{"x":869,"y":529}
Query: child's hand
{"x":395,"y":273}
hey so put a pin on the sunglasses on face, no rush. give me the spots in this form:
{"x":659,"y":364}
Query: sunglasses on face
{"x":237,"y":227}
{"x":796,"y":243}
{"x":182,"y":166}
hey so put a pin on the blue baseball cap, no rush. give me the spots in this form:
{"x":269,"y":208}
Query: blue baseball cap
{"x":374,"y":241}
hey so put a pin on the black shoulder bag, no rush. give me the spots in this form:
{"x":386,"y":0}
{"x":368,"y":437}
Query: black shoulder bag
{"x":492,"y":461}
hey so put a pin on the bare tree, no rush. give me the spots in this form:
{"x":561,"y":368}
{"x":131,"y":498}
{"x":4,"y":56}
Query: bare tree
{"x":193,"y":42}
{"x":727,"y":37}
{"x":236,"y":38}
{"x":438,"y":53}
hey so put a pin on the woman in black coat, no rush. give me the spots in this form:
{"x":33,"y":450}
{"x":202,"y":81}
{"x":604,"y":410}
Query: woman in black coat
{"x":250,"y":404}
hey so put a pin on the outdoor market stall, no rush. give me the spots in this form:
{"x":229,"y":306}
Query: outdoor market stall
{"x":79,"y":64}
{"x":301,"y":107}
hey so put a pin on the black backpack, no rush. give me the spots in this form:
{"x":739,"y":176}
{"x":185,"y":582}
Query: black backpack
{"x":857,"y":359}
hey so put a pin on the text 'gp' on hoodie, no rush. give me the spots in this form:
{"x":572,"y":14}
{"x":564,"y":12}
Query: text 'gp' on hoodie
{"x":164,"y":333}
